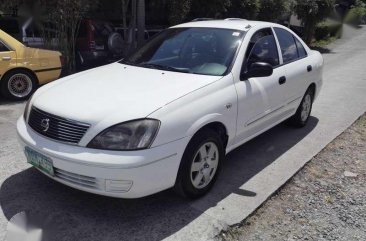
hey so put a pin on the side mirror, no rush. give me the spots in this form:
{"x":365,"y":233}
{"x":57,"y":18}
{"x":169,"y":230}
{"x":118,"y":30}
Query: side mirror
{"x":258,"y":69}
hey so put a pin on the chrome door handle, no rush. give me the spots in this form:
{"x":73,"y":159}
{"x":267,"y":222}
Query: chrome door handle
{"x":6,"y":58}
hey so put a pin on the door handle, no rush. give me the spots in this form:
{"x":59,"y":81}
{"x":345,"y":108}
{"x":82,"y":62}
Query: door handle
{"x":282,"y":80}
{"x":6,"y":58}
{"x":310,"y":68}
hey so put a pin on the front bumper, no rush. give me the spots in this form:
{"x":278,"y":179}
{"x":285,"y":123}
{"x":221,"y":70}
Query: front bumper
{"x":128,"y":174}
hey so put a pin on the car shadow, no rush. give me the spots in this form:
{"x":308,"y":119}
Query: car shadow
{"x":68,"y":214}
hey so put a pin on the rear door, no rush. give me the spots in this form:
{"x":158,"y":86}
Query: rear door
{"x":297,"y":65}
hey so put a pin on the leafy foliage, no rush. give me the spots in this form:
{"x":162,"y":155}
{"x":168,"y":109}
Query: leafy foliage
{"x":356,"y":13}
{"x":179,"y":9}
{"x":209,"y":8}
{"x":327,"y":29}
{"x":311,"y":12}
{"x":247,"y":9}
{"x":66,"y":15}
{"x":273,"y":10}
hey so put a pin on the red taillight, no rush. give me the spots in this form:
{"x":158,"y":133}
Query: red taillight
{"x":62,"y":60}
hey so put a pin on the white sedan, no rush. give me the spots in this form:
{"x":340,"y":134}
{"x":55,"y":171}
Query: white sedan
{"x":167,"y":115}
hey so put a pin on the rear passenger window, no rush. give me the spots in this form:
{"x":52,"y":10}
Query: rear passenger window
{"x":9,"y":26}
{"x":300,"y":48}
{"x":33,"y":31}
{"x":3,"y":48}
{"x":287,"y":44}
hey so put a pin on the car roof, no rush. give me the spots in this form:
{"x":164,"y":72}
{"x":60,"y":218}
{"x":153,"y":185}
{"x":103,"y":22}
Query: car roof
{"x":230,"y":23}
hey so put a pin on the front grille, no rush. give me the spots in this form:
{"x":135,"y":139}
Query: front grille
{"x":55,"y":127}
{"x":85,"y":181}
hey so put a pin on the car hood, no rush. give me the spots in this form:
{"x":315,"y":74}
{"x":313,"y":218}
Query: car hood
{"x":116,"y":92}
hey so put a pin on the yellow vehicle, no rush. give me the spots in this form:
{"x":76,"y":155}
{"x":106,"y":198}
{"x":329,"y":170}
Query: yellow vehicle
{"x":22,"y":68}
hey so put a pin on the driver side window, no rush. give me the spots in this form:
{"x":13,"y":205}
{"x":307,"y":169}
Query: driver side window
{"x":262,"y":48}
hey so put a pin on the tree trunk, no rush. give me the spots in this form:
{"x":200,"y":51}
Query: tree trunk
{"x":309,"y":30}
{"x":125,"y":4}
{"x":132,"y":26}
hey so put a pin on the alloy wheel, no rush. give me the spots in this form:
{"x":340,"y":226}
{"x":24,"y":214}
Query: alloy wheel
{"x":204,"y":165}
{"x":306,"y":107}
{"x":20,"y":85}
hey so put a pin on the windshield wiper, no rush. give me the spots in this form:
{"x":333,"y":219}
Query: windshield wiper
{"x":163,"y":67}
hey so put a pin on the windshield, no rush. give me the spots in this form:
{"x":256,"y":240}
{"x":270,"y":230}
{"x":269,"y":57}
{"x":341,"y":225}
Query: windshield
{"x":207,"y":51}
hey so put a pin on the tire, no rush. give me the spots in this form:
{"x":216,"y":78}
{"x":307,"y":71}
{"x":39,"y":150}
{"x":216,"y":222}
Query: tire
{"x":194,"y":169}
{"x":18,"y":84}
{"x":115,"y":43}
{"x":303,"y":112}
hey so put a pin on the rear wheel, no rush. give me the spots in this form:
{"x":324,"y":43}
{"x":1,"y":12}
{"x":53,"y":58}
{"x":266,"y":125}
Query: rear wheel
{"x":200,"y":164}
{"x":18,"y":84}
{"x":302,"y":114}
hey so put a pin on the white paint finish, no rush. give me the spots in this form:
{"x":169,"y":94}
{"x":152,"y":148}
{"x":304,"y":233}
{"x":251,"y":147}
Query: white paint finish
{"x":117,"y":93}
{"x":164,"y":215}
{"x":340,"y":103}
{"x":183,"y":103}
{"x":185,"y":116}
{"x":258,"y":100}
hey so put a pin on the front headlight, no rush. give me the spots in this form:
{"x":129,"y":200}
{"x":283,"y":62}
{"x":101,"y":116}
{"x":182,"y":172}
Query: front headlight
{"x":132,"y":135}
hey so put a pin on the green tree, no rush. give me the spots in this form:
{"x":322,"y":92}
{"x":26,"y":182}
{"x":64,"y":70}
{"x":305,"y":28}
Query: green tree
{"x":209,"y":8}
{"x":179,"y":10}
{"x":356,"y":13}
{"x":273,"y":10}
{"x":67,"y":15}
{"x":247,"y":9}
{"x":312,"y":12}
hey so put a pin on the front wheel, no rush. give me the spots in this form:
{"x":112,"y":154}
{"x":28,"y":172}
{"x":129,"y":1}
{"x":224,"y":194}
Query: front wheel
{"x":200,"y":164}
{"x":302,"y":114}
{"x":18,"y":84}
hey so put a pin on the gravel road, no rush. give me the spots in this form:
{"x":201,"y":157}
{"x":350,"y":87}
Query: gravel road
{"x":324,"y":201}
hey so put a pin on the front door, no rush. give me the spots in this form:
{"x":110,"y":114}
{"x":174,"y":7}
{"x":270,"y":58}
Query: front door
{"x":260,"y":100}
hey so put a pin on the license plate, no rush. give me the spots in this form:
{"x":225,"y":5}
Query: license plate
{"x":39,"y":161}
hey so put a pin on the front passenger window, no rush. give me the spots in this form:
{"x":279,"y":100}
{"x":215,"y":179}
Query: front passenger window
{"x":262,"y":48}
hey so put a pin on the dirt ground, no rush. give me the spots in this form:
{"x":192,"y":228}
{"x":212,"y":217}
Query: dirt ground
{"x":326,"y":200}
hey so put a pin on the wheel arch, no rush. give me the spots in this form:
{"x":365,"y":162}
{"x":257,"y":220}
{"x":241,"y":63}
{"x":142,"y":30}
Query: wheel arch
{"x":23,"y":69}
{"x":312,"y":86}
{"x":217,"y":126}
